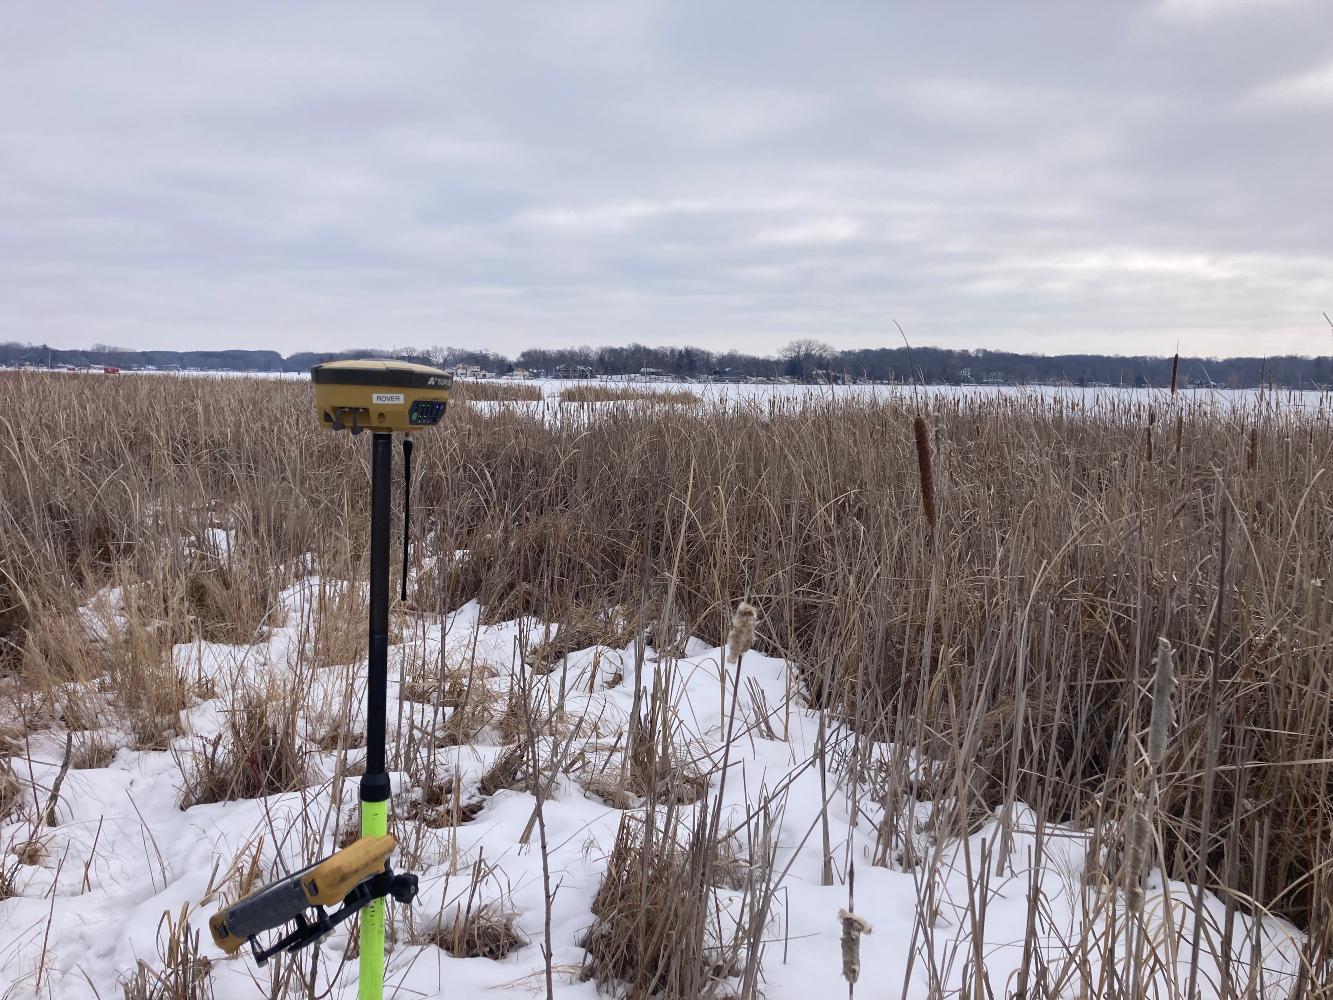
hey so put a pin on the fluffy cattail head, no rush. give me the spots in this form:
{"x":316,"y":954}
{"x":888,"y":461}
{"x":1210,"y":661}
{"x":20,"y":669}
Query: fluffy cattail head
{"x":1164,"y":685}
{"x":925,"y":470}
{"x":741,"y":636}
{"x":853,"y":926}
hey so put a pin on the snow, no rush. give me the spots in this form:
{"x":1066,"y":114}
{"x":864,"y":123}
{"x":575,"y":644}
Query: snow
{"x":122,"y":853}
{"x":740,"y":392}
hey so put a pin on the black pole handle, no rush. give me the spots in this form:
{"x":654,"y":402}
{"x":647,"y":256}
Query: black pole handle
{"x":375,"y":783}
{"x":407,"y":503}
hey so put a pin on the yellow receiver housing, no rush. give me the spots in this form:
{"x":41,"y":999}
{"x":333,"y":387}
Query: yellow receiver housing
{"x":379,"y":395}
{"x":322,"y":884}
{"x":333,"y":878}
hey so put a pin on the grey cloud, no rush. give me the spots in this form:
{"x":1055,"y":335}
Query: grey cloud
{"x":1042,"y":176}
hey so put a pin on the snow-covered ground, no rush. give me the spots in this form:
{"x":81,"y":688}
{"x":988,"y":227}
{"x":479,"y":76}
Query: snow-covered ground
{"x":122,"y":853}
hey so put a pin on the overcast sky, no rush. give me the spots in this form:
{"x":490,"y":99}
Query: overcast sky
{"x":1050,"y":177}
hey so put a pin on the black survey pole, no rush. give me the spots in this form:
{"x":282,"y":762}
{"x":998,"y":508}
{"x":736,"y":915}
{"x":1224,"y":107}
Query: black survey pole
{"x":375,"y":782}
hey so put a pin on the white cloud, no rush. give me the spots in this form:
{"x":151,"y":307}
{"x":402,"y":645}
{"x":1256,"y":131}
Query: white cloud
{"x":1312,"y":89}
{"x":1204,"y":10}
{"x":811,"y":233}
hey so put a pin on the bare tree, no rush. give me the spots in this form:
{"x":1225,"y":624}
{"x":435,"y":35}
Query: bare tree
{"x":805,"y":355}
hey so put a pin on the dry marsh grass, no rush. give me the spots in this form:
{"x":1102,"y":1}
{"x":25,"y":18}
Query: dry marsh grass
{"x":981,"y":580}
{"x":486,"y":931}
{"x":257,"y":754}
{"x":182,"y":971}
{"x":602,"y":393}
{"x":338,"y":624}
{"x":658,"y":930}
{"x":11,"y":792}
{"x":492,"y":392}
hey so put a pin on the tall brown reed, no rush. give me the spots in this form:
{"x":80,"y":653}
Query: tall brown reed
{"x":1052,"y":575}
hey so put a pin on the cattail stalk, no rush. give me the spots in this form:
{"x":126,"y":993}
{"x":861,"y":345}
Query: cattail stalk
{"x":1175,"y":366}
{"x":1145,"y":804}
{"x":1164,"y":681}
{"x":925,"y":470}
{"x":739,"y":641}
{"x":49,"y":813}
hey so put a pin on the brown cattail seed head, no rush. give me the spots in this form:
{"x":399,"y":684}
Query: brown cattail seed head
{"x":853,"y":926}
{"x":741,"y":636}
{"x":924,"y":469}
{"x":1164,"y":686}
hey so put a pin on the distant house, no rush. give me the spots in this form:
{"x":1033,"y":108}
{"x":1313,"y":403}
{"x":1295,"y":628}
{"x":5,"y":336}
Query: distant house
{"x":521,"y":373}
{"x":652,"y":373}
{"x":462,"y":370}
{"x":573,"y":371}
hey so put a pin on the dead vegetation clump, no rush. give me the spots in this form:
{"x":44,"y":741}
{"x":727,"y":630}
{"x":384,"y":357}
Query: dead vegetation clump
{"x":487,"y":931}
{"x":152,"y":696}
{"x":465,"y":722}
{"x":57,"y":650}
{"x":436,"y":799}
{"x":92,"y":751}
{"x":470,"y":702}
{"x":658,"y":930}
{"x":336,"y":736}
{"x":491,"y":392}
{"x":581,"y":628}
{"x":9,"y":876}
{"x":230,"y":602}
{"x":29,"y":852}
{"x":339,"y":633}
{"x":256,"y":754}
{"x":11,"y":790}
{"x":440,"y":805}
{"x":182,"y":972}
{"x":626,"y":393}
{"x":103,"y":672}
{"x":509,"y":770}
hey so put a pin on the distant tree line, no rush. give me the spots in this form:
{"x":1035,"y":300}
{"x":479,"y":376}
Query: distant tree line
{"x":14,"y":354}
{"x":800,"y":359}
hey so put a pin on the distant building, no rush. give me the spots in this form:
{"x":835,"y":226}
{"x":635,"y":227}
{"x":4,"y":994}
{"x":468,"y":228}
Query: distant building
{"x":573,"y":371}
